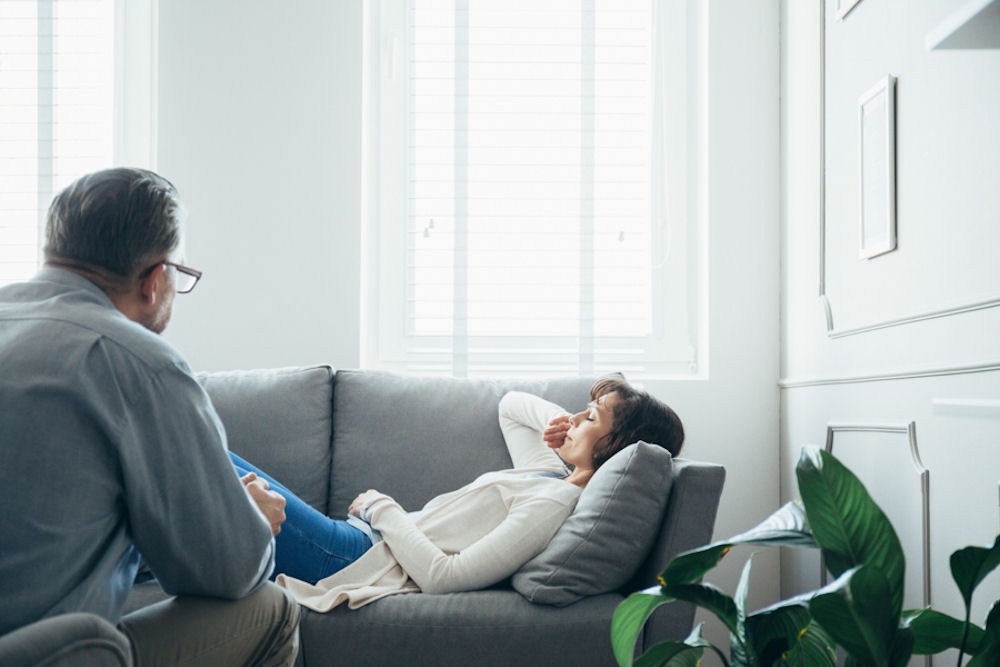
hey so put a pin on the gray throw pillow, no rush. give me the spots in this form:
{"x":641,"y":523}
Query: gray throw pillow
{"x":608,"y":535}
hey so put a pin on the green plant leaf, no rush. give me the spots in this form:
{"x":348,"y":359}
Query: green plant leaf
{"x":856,"y":610}
{"x":901,"y":649}
{"x":935,"y":632}
{"x":629,"y":619}
{"x":695,"y":639}
{"x":849,"y":526}
{"x":739,"y":654}
{"x":775,"y":631}
{"x":671,"y":654}
{"x":691,"y":566}
{"x":969,"y":566}
{"x":740,"y":599}
{"x":709,"y":597}
{"x":989,"y":657}
{"x":815,"y":648}
{"x":989,"y":649}
{"x":679,"y":654}
{"x":802,"y":599}
{"x":787,"y":527}
{"x":992,"y":627}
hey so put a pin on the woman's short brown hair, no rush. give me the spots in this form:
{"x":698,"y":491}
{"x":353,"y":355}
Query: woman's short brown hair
{"x":636,"y":416}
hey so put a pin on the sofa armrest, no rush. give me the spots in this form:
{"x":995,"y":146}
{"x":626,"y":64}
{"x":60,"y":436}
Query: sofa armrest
{"x":68,"y":640}
{"x":688,"y":522}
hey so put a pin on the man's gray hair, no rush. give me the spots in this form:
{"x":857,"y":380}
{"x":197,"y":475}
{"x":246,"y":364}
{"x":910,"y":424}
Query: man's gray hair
{"x":117,"y":219}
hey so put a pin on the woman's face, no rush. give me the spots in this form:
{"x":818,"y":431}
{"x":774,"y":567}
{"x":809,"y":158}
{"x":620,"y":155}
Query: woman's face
{"x":586,"y":429}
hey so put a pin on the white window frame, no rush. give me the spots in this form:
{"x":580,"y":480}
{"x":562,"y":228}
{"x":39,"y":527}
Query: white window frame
{"x":136,"y":82}
{"x":673,"y":352}
{"x":133,"y":105}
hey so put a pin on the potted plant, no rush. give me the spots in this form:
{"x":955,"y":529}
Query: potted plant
{"x":860,"y":611}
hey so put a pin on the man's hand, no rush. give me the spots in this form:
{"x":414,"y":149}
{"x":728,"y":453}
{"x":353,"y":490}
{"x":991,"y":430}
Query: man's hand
{"x":270,"y":503}
{"x":555,"y":434}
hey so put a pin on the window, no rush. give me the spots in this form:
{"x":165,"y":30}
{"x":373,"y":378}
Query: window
{"x":63,"y":111}
{"x":525,"y":192}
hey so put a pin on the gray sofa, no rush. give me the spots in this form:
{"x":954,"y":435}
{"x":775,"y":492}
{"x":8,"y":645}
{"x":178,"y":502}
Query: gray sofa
{"x":330,"y":435}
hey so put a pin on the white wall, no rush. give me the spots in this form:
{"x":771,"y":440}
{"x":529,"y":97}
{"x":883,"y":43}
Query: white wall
{"x":880,"y":361}
{"x":732,"y":417}
{"x":260,"y":126}
{"x":260,"y":130}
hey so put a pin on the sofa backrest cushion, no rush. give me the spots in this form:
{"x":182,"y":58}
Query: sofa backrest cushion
{"x":609,"y":534}
{"x":279,"y":420}
{"x":417,"y":437}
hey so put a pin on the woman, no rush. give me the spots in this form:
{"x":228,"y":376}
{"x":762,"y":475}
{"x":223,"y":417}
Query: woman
{"x":483,"y":532}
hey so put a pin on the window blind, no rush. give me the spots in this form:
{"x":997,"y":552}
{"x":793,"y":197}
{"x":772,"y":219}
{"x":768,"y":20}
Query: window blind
{"x":56,"y":113}
{"x":534,"y":235}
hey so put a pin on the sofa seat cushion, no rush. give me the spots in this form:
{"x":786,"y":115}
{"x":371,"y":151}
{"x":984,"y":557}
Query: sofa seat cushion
{"x":280,"y":421}
{"x":492,"y":627}
{"x":609,"y":534}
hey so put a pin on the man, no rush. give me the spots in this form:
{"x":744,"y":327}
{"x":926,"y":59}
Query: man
{"x":110,"y":450}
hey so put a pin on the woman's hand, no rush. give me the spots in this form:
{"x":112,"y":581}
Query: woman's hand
{"x":270,"y":503}
{"x":555,"y":434}
{"x":359,"y":506}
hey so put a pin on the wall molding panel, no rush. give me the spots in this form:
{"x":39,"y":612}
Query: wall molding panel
{"x":875,"y":349}
{"x":909,"y":431}
{"x":903,"y":374}
{"x":968,"y":407}
{"x":948,"y":311}
{"x":832,"y":331}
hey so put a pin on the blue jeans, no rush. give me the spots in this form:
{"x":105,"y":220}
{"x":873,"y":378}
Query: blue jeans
{"x":311,"y":545}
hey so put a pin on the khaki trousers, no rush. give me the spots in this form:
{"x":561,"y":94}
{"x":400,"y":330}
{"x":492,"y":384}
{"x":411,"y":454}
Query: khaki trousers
{"x":259,"y":630}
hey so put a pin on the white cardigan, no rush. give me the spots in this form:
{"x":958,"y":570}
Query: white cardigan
{"x":464,"y":540}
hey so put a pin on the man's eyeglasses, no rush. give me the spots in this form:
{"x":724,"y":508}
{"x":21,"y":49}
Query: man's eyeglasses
{"x":185,"y":278}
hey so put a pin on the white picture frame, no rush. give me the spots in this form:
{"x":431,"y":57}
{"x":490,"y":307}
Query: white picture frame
{"x":877,"y":168}
{"x":844,"y":7}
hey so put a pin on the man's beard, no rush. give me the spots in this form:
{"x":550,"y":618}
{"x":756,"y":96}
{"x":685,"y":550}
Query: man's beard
{"x":159,"y":321}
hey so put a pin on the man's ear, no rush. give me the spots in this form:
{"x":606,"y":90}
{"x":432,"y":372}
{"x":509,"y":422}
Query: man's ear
{"x":151,"y":284}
